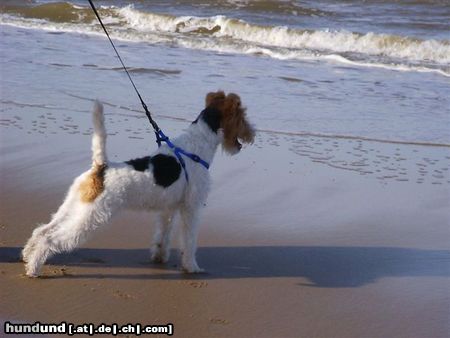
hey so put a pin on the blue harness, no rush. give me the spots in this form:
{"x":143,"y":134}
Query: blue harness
{"x":161,"y":137}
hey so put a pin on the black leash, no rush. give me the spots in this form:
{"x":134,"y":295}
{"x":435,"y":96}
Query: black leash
{"x":160,"y":137}
{"x":147,"y":112}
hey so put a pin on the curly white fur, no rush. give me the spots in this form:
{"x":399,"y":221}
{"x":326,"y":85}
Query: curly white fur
{"x":128,"y":188}
{"x":121,"y":186}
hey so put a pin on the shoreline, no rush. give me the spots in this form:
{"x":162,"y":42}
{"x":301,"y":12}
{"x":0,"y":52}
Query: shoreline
{"x":141,"y":115}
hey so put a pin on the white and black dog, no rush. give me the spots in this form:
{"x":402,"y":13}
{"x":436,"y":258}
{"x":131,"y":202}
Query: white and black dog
{"x":153,"y":183}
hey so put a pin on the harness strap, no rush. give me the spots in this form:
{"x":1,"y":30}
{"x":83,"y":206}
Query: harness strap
{"x":160,"y":137}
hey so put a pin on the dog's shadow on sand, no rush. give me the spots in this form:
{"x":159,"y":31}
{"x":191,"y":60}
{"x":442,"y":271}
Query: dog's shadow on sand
{"x":326,"y":267}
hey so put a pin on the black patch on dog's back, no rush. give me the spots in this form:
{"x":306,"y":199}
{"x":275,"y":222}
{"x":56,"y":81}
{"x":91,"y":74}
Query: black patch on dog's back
{"x":212,"y":117}
{"x":166,"y":169}
{"x":140,"y":164}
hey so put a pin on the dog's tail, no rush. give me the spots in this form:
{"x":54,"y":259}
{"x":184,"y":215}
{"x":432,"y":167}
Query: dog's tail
{"x":93,"y":185}
{"x":99,"y":158}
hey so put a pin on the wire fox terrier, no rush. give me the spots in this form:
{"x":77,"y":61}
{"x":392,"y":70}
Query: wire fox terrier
{"x":152,"y":183}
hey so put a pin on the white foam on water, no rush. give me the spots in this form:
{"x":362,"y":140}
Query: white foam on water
{"x":223,"y":34}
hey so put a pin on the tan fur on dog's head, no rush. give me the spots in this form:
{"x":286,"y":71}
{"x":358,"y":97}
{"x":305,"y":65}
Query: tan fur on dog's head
{"x":233,"y":120}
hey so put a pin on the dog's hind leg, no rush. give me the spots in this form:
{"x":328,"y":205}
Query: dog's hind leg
{"x":65,"y":234}
{"x":189,"y":233}
{"x":160,"y":248}
{"x":57,"y":218}
{"x":82,"y":211}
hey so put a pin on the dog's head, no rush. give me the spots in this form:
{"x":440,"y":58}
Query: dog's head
{"x":233,"y":120}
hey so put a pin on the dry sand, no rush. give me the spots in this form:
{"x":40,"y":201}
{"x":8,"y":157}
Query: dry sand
{"x":293,"y":246}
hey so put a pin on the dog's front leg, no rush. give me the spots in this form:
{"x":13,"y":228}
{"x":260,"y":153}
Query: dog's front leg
{"x":160,"y":248}
{"x":189,"y":233}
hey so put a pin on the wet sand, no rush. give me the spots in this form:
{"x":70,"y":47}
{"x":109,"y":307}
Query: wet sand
{"x":301,"y":236}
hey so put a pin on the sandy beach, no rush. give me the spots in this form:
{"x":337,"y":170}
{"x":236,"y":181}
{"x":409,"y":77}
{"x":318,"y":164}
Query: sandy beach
{"x":292,"y":248}
{"x":335,"y":223}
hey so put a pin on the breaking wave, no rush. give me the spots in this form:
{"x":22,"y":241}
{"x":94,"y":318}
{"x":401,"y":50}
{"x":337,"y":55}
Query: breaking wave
{"x":229,"y":35}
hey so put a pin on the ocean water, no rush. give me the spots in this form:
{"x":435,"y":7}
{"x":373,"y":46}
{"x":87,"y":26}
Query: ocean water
{"x":372,"y":70}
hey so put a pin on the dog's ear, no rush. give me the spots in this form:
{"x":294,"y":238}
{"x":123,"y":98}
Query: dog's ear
{"x":214,"y":98}
{"x":232,"y":106}
{"x":246,"y":131}
{"x":235,"y":124}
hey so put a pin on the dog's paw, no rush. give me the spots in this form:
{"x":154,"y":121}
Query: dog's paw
{"x":31,"y":272}
{"x":192,"y":271}
{"x":159,"y":257}
{"x":192,"y":268}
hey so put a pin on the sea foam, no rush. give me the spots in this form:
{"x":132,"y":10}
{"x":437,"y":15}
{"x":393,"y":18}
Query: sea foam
{"x":230,"y":35}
